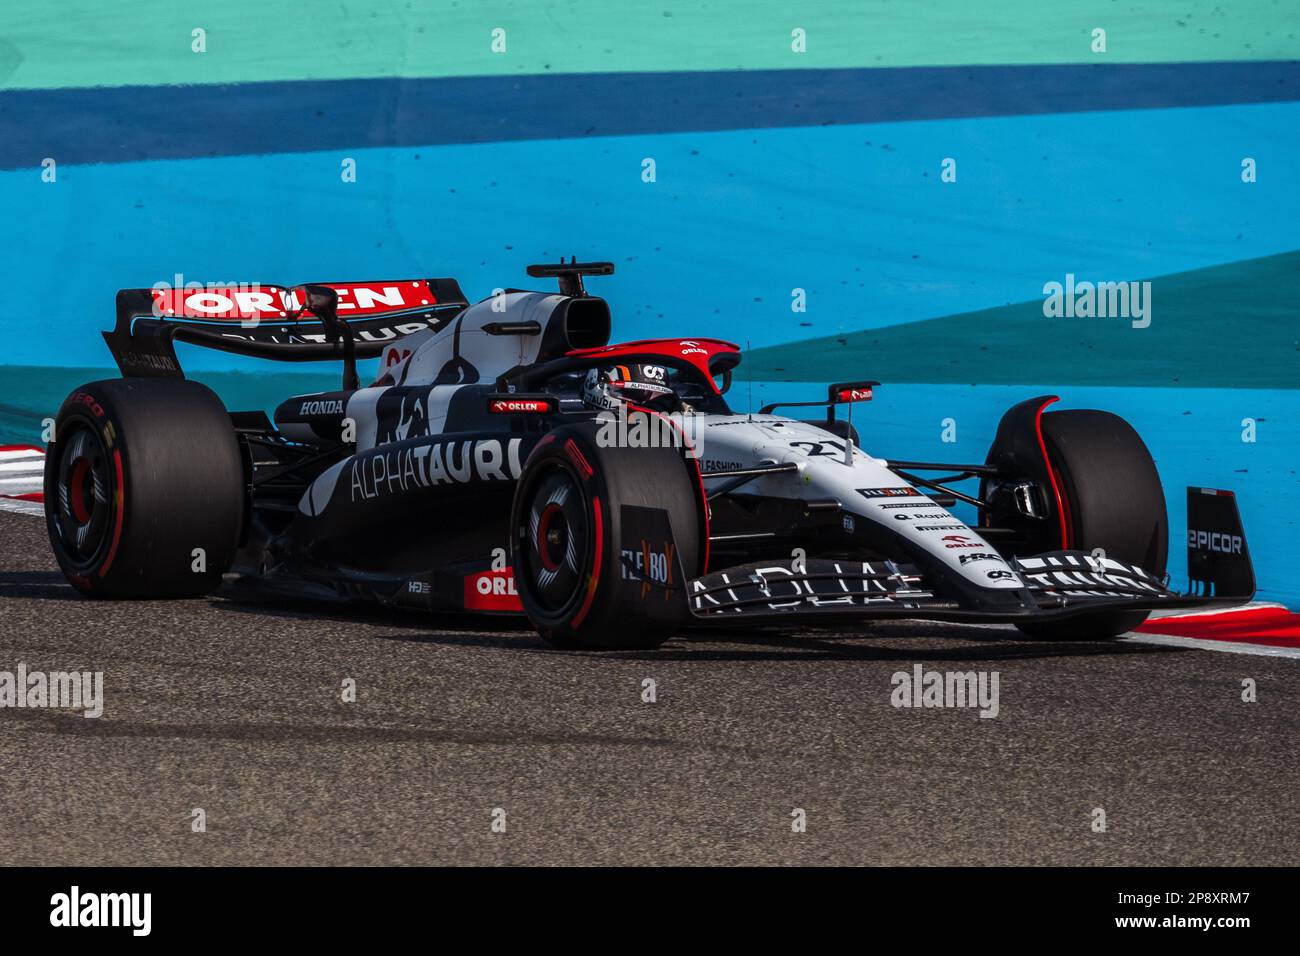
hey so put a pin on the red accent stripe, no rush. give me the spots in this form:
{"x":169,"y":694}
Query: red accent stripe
{"x":699,"y":479}
{"x":28,"y":496}
{"x":1051,"y":473}
{"x":77,"y":493}
{"x":704,"y":513}
{"x":595,"y":566}
{"x":120,"y":494}
{"x":22,"y":448}
{"x":575,"y":453}
{"x":1270,"y":626}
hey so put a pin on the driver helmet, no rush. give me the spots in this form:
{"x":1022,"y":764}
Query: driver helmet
{"x":644,"y":385}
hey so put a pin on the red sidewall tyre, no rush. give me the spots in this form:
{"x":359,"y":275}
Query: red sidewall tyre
{"x":144,"y":489}
{"x":567,"y":537}
{"x":1114,"y":502}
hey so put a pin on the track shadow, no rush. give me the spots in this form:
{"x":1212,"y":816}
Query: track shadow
{"x":515,"y":634}
{"x":987,"y":644}
{"x":801,"y":646}
{"x":44,"y":585}
{"x":407,"y":619}
{"x":74,"y":724}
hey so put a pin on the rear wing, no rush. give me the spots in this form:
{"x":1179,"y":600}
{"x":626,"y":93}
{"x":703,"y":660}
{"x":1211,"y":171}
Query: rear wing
{"x":310,"y":323}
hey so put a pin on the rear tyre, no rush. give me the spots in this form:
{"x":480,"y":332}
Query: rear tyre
{"x":1113,"y":501}
{"x":144,"y":489}
{"x":567,"y":539}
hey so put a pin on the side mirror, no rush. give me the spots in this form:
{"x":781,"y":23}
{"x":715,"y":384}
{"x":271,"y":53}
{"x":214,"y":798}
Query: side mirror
{"x":844,"y":393}
{"x":323,"y":302}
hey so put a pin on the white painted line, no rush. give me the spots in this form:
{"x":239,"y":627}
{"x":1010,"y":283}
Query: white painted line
{"x":36,"y":466}
{"x":1193,"y":612}
{"x":22,"y":507}
{"x":7,"y":454}
{"x":1231,"y":647}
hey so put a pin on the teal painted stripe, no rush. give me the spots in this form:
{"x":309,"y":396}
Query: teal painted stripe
{"x":83,"y":43}
{"x":1228,"y":326}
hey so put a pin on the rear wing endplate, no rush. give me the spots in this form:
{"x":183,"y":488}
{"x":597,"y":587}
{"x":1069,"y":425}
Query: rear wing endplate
{"x":1218,"y":559}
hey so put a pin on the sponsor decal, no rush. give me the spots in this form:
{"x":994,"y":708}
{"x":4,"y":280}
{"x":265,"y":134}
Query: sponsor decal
{"x":1214,"y":541}
{"x":960,"y":541}
{"x":241,"y":302}
{"x":853,"y":395}
{"x":820,"y":583}
{"x":1000,"y":574}
{"x":492,"y":591}
{"x":642,"y":387}
{"x":85,"y":398}
{"x":322,"y":407}
{"x":849,"y":525}
{"x":717,"y":464}
{"x":902,"y":492}
{"x":692,"y":348}
{"x":139,"y":360}
{"x":940,"y":527}
{"x":650,"y":564}
{"x":419,"y":587}
{"x":519,"y":406}
{"x":925,"y":515}
{"x":982,"y":556}
{"x":897,"y":504}
{"x":400,"y":470}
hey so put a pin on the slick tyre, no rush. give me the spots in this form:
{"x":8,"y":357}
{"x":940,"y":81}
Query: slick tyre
{"x":144,"y":489}
{"x":1113,"y":501}
{"x":568,"y":542}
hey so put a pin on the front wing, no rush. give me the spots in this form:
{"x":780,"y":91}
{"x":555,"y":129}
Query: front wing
{"x":1059,"y":584}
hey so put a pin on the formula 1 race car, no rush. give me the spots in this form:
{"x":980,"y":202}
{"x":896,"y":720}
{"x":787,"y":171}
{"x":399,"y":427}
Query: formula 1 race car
{"x":508,"y":459}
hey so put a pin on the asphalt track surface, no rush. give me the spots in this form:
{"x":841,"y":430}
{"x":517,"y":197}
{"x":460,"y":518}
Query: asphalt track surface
{"x":235,"y":707}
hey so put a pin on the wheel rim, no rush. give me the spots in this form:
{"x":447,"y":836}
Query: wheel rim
{"x":84,"y":496}
{"x":556,"y":541}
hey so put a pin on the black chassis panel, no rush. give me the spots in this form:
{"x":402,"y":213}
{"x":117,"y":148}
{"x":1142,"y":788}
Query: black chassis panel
{"x":403,"y":522}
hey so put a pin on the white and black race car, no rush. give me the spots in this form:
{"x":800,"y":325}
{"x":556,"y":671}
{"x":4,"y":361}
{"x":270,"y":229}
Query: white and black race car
{"x":509,"y":460}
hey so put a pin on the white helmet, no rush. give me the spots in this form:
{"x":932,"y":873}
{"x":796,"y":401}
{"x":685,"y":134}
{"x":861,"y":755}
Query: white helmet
{"x":614,"y":385}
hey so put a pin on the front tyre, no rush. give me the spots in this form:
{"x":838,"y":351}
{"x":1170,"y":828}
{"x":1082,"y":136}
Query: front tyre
{"x":144,"y":489}
{"x":1113,"y":501}
{"x":568,"y":544}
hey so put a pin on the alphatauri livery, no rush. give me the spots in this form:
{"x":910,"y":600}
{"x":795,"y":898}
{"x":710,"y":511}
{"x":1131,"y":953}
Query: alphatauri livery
{"x":507,"y":459}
